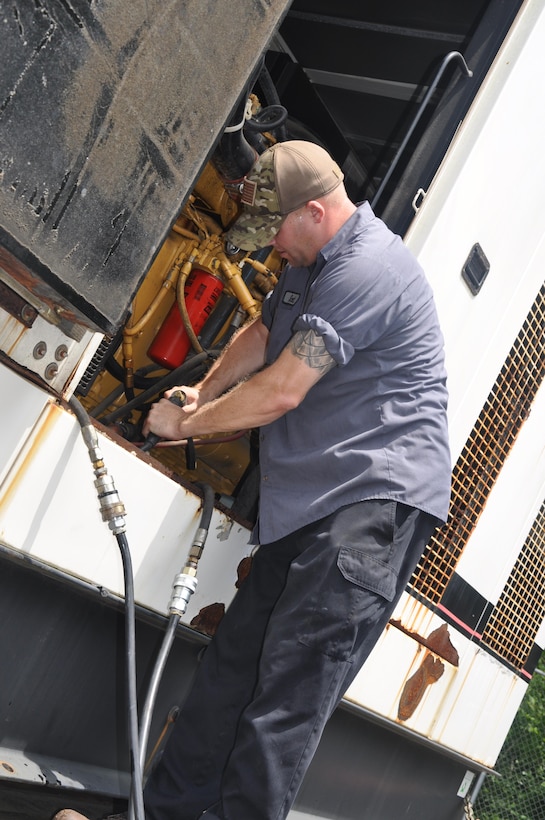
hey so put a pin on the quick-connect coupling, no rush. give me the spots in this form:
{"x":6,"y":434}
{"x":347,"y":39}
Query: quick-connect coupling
{"x":111,"y":506}
{"x":185,"y":584}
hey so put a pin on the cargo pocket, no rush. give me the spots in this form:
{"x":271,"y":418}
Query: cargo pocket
{"x":368,"y":572}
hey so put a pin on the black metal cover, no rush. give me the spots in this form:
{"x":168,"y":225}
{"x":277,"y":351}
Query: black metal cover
{"x":108,"y":112}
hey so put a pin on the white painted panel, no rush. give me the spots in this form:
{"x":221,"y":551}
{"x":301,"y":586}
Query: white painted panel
{"x":20,"y":406}
{"x":489,"y":190}
{"x":50,"y":510}
{"x":469,"y":709}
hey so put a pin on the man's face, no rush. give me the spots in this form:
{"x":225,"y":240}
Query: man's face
{"x":297,"y":238}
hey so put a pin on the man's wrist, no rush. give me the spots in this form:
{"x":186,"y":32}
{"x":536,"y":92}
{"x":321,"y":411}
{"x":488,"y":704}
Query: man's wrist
{"x":184,"y":430}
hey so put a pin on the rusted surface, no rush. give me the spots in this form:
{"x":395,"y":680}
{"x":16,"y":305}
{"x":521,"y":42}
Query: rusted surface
{"x":16,"y":306}
{"x":243,"y":570}
{"x":428,"y":673}
{"x":437,"y":641}
{"x":29,"y":275}
{"x":208,"y":618}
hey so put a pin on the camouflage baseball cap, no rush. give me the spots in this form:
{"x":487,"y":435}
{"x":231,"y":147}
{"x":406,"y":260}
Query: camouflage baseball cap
{"x":283,"y":179}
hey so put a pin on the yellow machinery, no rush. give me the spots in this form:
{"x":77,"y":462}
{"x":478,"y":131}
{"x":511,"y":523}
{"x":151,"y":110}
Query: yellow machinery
{"x":190,"y":276}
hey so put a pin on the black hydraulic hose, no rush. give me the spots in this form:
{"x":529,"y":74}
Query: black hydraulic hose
{"x":113,"y":512}
{"x":152,"y":439}
{"x":158,"y":670}
{"x":234,"y":156}
{"x":186,"y":372}
{"x":272,"y":98}
{"x":137,"y":783}
{"x":176,"y":609}
{"x":208,"y":505}
{"x":118,"y":372}
{"x":80,"y":412}
{"x":116,"y":392}
{"x":267,"y":119}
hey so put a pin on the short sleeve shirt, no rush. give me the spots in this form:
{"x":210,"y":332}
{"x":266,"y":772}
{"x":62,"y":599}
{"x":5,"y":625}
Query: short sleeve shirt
{"x":375,"y":425}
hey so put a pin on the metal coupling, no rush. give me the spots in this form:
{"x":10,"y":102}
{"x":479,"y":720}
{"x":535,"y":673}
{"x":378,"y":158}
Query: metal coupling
{"x":183,"y":588}
{"x":199,"y":540}
{"x":90,"y":438}
{"x":111,"y":506}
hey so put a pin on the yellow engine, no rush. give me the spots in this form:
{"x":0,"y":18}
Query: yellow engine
{"x":192,"y":300}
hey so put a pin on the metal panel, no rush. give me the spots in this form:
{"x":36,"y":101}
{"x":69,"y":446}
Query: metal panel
{"x":363,"y":772}
{"x":107,"y":114}
{"x":62,"y":700}
{"x":63,"y":525}
{"x":64,"y":734}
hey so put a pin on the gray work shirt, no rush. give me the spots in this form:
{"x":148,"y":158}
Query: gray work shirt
{"x":374,"y":426}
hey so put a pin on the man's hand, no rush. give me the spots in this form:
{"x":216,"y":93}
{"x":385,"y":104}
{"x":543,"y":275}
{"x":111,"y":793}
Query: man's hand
{"x":192,"y":395}
{"x":166,"y":419}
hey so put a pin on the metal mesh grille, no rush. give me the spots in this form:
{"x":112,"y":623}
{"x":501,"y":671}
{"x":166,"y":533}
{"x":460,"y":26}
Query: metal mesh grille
{"x":484,"y":453}
{"x":515,"y":620}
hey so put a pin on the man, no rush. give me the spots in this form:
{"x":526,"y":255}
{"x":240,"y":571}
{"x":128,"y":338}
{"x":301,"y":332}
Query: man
{"x":344,"y":375}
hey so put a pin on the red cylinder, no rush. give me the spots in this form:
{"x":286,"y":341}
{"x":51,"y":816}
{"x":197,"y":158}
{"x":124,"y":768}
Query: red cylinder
{"x":172,"y":344}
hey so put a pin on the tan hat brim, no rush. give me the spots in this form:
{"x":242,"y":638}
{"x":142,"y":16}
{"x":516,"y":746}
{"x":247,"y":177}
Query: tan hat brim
{"x":253,"y":231}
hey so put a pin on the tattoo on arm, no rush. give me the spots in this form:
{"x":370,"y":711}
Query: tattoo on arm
{"x":310,"y":347}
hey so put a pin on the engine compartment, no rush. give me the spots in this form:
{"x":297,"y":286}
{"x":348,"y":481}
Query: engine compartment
{"x":194,"y":297}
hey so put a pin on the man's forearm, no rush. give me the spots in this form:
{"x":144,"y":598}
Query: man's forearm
{"x":244,"y":355}
{"x":260,"y":394}
{"x":251,"y":403}
{"x":267,"y":394}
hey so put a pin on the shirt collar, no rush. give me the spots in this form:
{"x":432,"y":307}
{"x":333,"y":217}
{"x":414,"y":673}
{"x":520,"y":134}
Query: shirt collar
{"x":352,"y":227}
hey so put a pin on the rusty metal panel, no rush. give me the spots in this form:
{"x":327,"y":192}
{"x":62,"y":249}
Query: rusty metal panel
{"x":107,"y":114}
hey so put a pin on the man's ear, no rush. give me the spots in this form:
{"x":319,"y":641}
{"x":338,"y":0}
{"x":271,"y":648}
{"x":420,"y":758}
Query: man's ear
{"x":316,"y":210}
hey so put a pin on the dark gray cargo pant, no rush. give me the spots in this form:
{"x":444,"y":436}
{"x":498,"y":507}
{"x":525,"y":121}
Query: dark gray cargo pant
{"x":299,"y":629}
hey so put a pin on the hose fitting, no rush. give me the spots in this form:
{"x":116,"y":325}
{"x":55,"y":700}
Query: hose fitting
{"x":185,"y":584}
{"x":111,"y":506}
{"x":90,"y":438}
